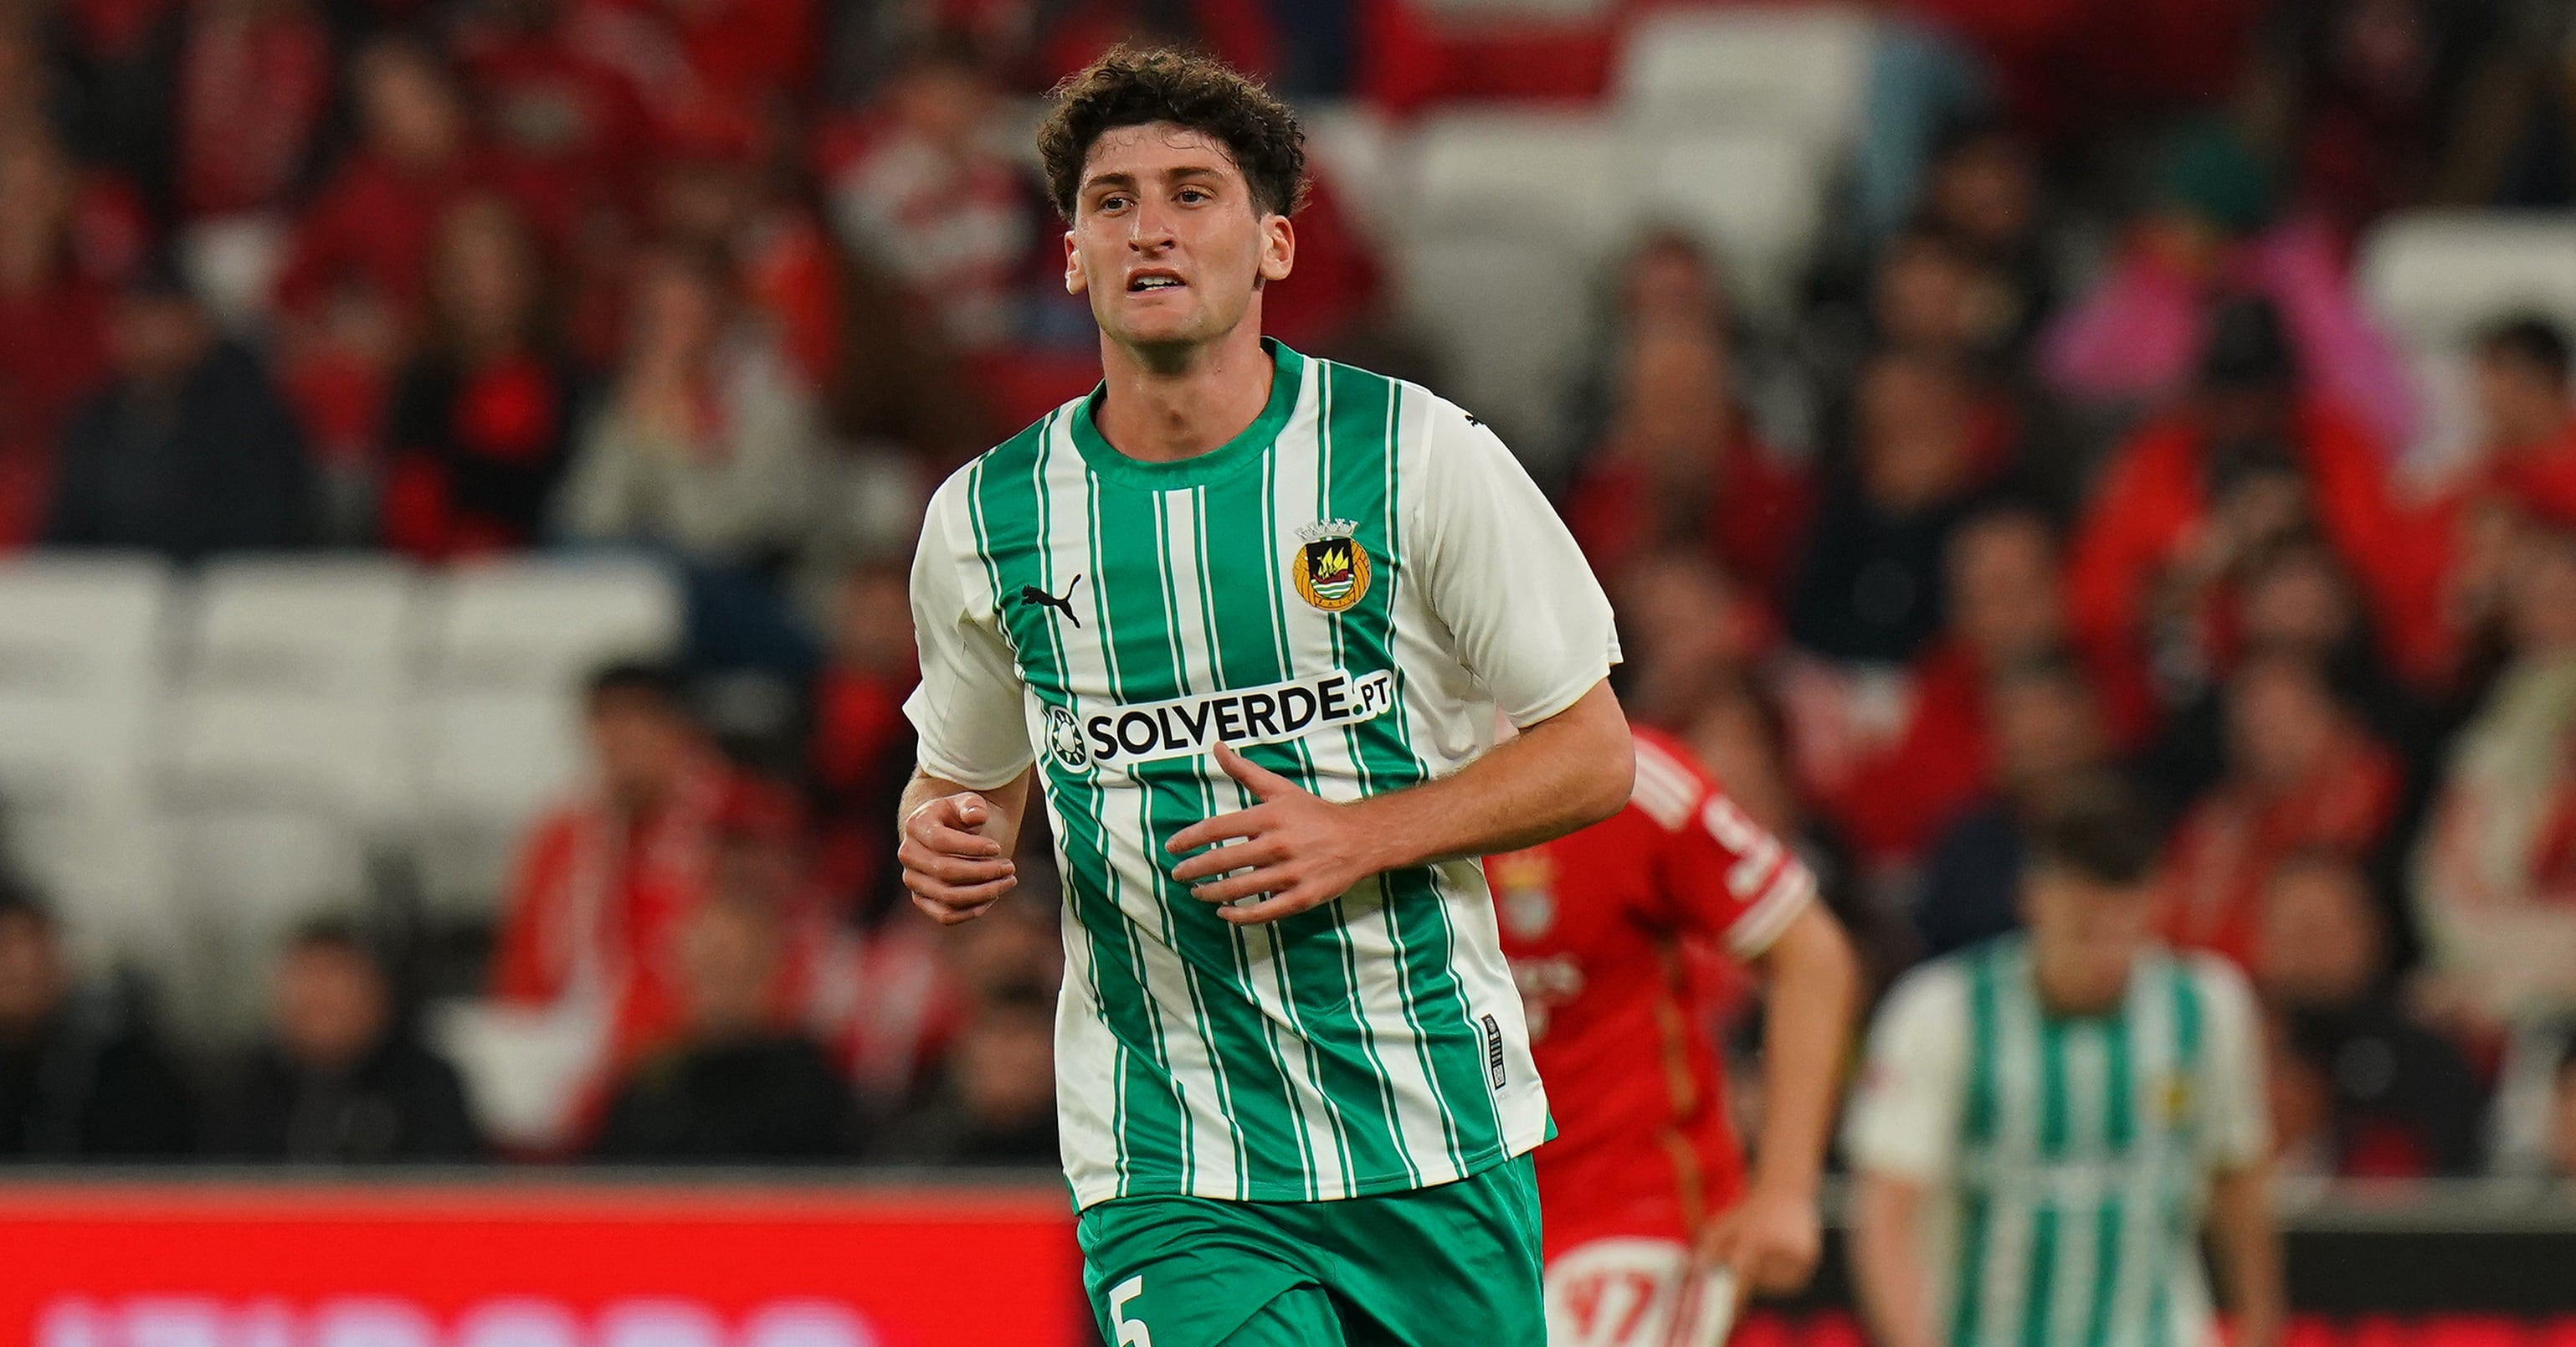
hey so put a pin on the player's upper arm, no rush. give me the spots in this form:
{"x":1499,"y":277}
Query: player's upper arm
{"x":1905,"y":1111}
{"x":967,"y":709}
{"x":2239,"y":1127}
{"x":1730,"y":876}
{"x":1501,"y":570}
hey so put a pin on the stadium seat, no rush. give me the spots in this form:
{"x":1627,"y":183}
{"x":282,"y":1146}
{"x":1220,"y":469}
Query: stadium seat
{"x":1756,"y":197}
{"x":2436,"y":276}
{"x":1551,"y":177}
{"x":546,"y":623}
{"x":1800,"y":71}
{"x":80,"y":673}
{"x":108,"y":876}
{"x":1352,"y":145}
{"x":524,"y":1068}
{"x":1508,"y":319}
{"x":280,"y":746}
{"x":488,"y":761}
{"x":246,"y":876}
{"x":337,"y":627}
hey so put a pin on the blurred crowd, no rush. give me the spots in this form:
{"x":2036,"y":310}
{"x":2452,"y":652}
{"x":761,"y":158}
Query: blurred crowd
{"x":2079,"y":454}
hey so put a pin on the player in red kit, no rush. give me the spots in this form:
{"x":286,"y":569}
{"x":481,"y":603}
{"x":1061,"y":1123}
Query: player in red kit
{"x":1654,"y":1235}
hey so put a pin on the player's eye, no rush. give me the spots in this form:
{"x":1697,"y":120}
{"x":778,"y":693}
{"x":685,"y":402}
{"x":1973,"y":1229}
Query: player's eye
{"x":1112,"y":202}
{"x":1195,"y":195}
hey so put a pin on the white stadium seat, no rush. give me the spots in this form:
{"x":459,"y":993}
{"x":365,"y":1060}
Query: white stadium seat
{"x":1802,"y":71}
{"x":1550,"y":176}
{"x":107,"y":874}
{"x":488,"y":762}
{"x":1509,"y":318}
{"x":246,"y":877}
{"x":341,"y":626}
{"x":76,"y":623}
{"x":548,"y":623}
{"x":342,"y":755}
{"x":1756,"y":197}
{"x":1352,"y":146}
{"x":2437,"y":276}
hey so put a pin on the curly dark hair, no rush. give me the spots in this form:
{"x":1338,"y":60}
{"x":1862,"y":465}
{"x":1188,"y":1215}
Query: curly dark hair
{"x":1132,"y":87}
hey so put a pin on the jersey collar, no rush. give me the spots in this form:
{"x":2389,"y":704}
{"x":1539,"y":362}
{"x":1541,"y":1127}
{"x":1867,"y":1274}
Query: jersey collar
{"x":1288,"y":369}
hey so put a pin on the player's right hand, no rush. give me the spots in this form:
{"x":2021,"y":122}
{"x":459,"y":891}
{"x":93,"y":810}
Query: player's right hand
{"x":951,"y":860}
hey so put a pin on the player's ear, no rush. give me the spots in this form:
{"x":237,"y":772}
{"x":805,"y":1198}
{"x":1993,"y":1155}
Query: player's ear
{"x":1074,"y":281}
{"x":1278,"y":247}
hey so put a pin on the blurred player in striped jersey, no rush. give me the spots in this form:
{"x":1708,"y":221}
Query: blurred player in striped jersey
{"x":1653,"y":1235}
{"x":2047,"y":1122}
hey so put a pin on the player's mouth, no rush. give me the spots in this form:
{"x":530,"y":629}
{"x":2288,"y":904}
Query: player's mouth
{"x":1150,"y":282}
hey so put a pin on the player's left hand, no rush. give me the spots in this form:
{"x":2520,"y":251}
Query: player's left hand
{"x":1303,"y":851}
{"x":1770,"y":1240}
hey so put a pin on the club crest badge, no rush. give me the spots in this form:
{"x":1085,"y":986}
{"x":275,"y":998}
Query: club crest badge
{"x":1331,"y":568}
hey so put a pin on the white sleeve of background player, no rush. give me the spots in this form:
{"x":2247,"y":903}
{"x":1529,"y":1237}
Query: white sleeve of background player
{"x":967,"y":709}
{"x":1904,"y":1116}
{"x":1501,"y":570}
{"x":2239,"y":1118}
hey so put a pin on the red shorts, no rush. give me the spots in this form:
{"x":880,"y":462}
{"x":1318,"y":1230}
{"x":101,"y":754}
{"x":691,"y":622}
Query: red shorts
{"x":1626,"y":1291}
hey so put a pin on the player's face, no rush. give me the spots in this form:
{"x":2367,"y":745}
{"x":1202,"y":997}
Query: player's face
{"x":2086,"y":935}
{"x":1167,"y":240}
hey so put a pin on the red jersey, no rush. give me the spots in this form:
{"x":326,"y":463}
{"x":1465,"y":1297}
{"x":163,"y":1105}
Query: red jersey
{"x":1603,"y":928}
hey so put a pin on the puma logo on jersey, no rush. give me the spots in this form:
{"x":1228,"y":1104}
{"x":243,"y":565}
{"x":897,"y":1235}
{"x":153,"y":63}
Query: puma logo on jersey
{"x":1033,"y":594}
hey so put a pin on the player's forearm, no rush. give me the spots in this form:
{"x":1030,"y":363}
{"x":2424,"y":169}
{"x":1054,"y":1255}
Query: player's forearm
{"x":1887,"y":1265}
{"x":1813,"y":987}
{"x":1008,"y":804}
{"x":1568,"y":771}
{"x":2249,"y":1254}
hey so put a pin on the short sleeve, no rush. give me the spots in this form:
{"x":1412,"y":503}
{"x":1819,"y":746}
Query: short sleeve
{"x":1503,"y":573}
{"x":968,"y":708}
{"x":2238,"y":1125}
{"x":1904,"y":1116}
{"x":1728,"y":876}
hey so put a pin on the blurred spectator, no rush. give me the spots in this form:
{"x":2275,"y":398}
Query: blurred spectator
{"x":2046,"y":728}
{"x":2131,"y":341}
{"x":862,"y":754}
{"x":606,"y":877}
{"x":1683,"y":467}
{"x":352,"y":294}
{"x":2492,"y":874}
{"x":557,"y":99}
{"x":483,"y":418}
{"x":255,"y":77}
{"x":1932,"y":291}
{"x":2190,"y":499}
{"x":995,"y":1102}
{"x":2525,"y":464}
{"x":1984,"y":197}
{"x":926,"y":187}
{"x":189,"y":450}
{"x":2301,"y":773}
{"x":1870,"y":588}
{"x":1688,"y":627}
{"x":734,"y":1086}
{"x":344,"y":1078}
{"x":2562,"y":1120}
{"x":53,"y":323}
{"x":1906,"y":778}
{"x":718,"y":192}
{"x":2403,"y":1101}
{"x":755,"y":58}
{"x":77,"y":1081}
{"x":706,"y":443}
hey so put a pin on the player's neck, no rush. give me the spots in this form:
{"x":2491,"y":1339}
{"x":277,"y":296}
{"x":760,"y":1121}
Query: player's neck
{"x":2067,"y":994}
{"x":1163,"y":406}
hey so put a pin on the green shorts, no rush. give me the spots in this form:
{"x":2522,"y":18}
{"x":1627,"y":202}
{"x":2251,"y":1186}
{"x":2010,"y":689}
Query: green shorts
{"x":1433,"y":1267}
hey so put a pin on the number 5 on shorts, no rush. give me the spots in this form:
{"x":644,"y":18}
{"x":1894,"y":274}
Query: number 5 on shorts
{"x":1131,"y":1332}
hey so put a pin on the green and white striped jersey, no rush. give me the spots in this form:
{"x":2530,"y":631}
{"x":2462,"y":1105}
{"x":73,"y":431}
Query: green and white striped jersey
{"x":2069,"y":1158}
{"x":1349,"y":591}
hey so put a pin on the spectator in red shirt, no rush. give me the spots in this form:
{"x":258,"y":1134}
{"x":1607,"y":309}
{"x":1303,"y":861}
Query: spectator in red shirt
{"x":2189,"y":499}
{"x":254,"y":79}
{"x":712,"y":196}
{"x":922,"y":186}
{"x":483,"y":418}
{"x":2005,"y":607}
{"x":605,"y":880}
{"x":53,"y":324}
{"x":353,"y":294}
{"x":1683,"y":467}
{"x":2301,"y":772}
{"x":556,"y":101}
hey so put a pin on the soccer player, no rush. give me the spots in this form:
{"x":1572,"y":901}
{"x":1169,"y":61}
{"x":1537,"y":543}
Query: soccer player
{"x":2047,"y":1121}
{"x":1653,"y":1236}
{"x":1246,"y":618}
